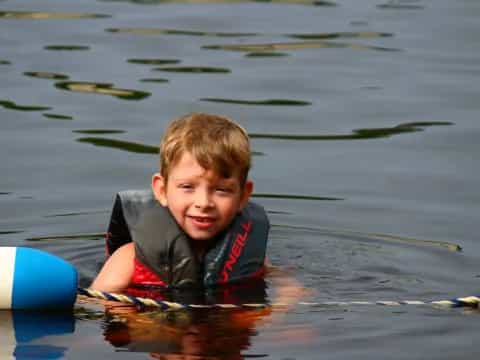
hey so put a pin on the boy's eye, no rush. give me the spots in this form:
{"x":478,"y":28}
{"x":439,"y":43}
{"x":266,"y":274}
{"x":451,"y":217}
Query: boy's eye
{"x":185,"y":186}
{"x":223,"y":190}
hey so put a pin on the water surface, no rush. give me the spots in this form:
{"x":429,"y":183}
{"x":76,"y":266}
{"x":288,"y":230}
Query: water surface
{"x":364,"y":125}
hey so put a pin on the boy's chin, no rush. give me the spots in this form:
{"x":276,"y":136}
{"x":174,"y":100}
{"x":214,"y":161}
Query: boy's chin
{"x":199,"y":237}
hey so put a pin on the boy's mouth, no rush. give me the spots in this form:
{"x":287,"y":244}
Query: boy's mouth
{"x":202,"y":221}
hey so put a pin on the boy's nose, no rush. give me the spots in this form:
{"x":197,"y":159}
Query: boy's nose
{"x":203,"y":199}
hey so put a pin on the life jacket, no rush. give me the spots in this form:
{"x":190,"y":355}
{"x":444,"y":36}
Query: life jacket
{"x":163,"y":251}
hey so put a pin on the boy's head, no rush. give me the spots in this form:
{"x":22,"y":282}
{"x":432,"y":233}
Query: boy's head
{"x":204,"y":164}
{"x":216,"y":142}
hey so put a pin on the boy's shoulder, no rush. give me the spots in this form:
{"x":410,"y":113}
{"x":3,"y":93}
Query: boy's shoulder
{"x":134,"y":203}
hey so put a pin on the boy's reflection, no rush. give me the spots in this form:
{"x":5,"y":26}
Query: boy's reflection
{"x":195,"y":334}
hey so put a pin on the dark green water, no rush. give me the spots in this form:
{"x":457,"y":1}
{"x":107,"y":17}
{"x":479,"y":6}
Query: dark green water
{"x":364,"y":118}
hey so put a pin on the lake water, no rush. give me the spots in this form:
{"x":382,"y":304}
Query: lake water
{"x":364,"y":118}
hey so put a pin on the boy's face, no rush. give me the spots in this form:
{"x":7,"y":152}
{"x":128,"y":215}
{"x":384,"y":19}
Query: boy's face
{"x":202,"y":203}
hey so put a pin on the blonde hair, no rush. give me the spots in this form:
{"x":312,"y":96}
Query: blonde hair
{"x":216,"y":142}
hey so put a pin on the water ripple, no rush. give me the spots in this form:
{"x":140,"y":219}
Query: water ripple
{"x":340,"y":35}
{"x":121,"y":145}
{"x":376,"y":236}
{"x":127,"y":145}
{"x":46,"y":75}
{"x":158,"y":31}
{"x":79,"y":213}
{"x":155,"y":80}
{"x":265,"y":54}
{"x":67,"y":47}
{"x":271,"y":102}
{"x":296,"y":197}
{"x":102,"y":88}
{"x":99,"y":131}
{"x":57,"y":116}
{"x":94,"y":236}
{"x":13,"y":106}
{"x":401,"y":5}
{"x":194,"y":69}
{"x":325,"y":3}
{"x":143,"y":61}
{"x":302,"y":36}
{"x":294,"y":46}
{"x":367,"y":133}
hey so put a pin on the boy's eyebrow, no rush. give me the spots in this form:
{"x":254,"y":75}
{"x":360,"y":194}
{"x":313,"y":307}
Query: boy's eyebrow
{"x":231,"y":181}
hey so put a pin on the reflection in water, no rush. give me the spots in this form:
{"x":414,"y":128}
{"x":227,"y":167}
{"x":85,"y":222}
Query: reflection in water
{"x":154,"y":80}
{"x":99,"y":131}
{"x":121,"y":145}
{"x":154,"y":61}
{"x":194,"y":69}
{"x":45,"y":75}
{"x":265,"y":54}
{"x":128,"y":146}
{"x":102,"y":88}
{"x":375,"y":237}
{"x":78,"y":213}
{"x":36,"y":15}
{"x":201,"y":333}
{"x":368,"y":133}
{"x":97,"y":236}
{"x":157,"y":31}
{"x":87,"y":312}
{"x":399,"y":4}
{"x":25,"y":334}
{"x":294,"y":46}
{"x":304,"y":36}
{"x":198,"y":333}
{"x":66,"y":47}
{"x":340,"y":35}
{"x":12,"y":106}
{"x":194,"y":335}
{"x":359,"y":134}
{"x":272,"y":102}
{"x":295,"y":197}
{"x":7,"y":232}
{"x":298,"y":2}
{"x":57,"y":116}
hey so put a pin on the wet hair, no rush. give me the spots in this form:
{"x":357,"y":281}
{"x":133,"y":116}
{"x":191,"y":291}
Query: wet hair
{"x":216,"y":142}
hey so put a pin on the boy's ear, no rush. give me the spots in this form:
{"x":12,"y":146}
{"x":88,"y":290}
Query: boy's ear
{"x":159,"y":188}
{"x":247,"y":191}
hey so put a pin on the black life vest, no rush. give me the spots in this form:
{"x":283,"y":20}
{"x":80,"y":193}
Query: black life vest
{"x":160,"y":244}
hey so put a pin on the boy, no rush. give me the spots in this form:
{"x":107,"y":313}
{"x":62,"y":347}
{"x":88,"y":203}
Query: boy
{"x":196,"y":227}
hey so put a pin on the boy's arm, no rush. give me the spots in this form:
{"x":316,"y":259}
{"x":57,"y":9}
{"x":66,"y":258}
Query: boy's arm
{"x":117,"y":272}
{"x":288,"y":289}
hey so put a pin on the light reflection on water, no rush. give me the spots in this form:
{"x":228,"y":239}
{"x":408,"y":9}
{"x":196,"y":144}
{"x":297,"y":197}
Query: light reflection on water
{"x":13,"y":106}
{"x":38,"y":15}
{"x":66,"y":47}
{"x":103,"y":89}
{"x":390,"y":217}
{"x":293,"y":2}
{"x":295,"y":46}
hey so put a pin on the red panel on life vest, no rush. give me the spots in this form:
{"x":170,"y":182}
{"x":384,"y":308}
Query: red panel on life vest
{"x":144,"y":276}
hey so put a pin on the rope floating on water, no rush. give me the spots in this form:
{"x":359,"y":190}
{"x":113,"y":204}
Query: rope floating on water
{"x":469,"y":301}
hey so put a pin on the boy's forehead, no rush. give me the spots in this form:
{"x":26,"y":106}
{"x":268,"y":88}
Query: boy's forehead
{"x":188,"y":166}
{"x":201,"y":173}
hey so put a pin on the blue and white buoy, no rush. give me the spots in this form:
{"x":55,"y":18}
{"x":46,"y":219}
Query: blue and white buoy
{"x":34,"y":279}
